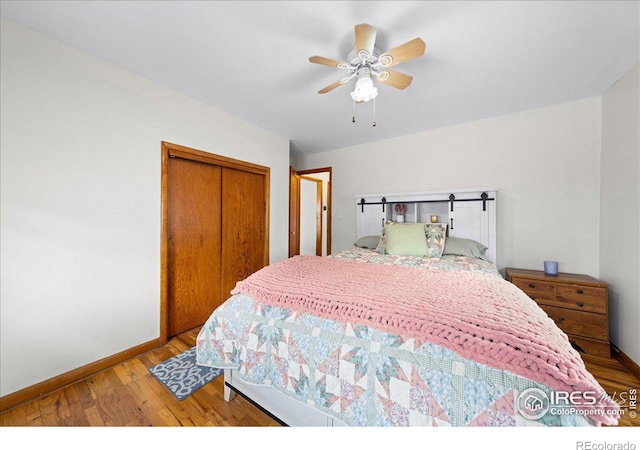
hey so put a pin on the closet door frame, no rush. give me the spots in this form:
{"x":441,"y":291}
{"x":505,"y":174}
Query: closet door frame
{"x":170,"y":150}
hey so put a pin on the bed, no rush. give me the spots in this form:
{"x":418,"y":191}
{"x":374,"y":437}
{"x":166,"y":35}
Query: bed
{"x":386,"y":335}
{"x":347,"y":373}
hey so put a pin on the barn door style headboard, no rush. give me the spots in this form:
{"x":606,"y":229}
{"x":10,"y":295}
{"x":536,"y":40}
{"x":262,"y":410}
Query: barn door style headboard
{"x":469,"y":213}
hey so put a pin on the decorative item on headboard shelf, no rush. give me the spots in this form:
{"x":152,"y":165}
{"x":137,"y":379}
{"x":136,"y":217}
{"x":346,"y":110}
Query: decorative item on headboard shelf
{"x":399,"y":208}
{"x":434,"y":218}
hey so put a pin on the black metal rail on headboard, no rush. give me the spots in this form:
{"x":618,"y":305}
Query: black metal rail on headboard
{"x":484,"y":198}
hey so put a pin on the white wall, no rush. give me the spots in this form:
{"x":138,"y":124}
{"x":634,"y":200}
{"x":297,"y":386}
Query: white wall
{"x":620,"y":210}
{"x":545,"y":164}
{"x":80,"y":198}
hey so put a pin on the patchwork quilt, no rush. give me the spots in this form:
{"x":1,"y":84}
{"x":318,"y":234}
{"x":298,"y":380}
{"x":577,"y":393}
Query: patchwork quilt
{"x":447,"y":262}
{"x":364,"y":376}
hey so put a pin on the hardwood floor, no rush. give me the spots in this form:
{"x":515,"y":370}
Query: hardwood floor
{"x":128,"y":395}
{"x":617,"y":381}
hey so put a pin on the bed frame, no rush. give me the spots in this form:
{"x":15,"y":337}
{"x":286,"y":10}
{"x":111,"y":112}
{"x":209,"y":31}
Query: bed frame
{"x":284,"y":409}
{"x":470,"y":213}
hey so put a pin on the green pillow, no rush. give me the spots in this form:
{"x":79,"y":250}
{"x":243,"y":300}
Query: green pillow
{"x":406,"y":239}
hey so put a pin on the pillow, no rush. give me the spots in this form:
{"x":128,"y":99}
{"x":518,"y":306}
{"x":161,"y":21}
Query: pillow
{"x":382,"y":245}
{"x":436,"y":234}
{"x":368,"y":242}
{"x":465,"y":247}
{"x":406,"y":239}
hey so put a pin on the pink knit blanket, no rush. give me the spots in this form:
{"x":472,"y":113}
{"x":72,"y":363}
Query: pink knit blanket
{"x":479,"y":316}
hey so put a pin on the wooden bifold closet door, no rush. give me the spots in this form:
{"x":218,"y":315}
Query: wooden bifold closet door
{"x":195,"y":243}
{"x":243,"y":226}
{"x":215,"y":232}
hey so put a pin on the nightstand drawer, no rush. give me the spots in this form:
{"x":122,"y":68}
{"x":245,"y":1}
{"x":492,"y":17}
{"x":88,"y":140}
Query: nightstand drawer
{"x":580,"y":323}
{"x":537,"y":290}
{"x":582,"y":298}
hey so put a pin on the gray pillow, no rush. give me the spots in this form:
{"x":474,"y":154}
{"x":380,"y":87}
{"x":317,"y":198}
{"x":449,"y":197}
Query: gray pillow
{"x":464,"y":247}
{"x":368,"y":242}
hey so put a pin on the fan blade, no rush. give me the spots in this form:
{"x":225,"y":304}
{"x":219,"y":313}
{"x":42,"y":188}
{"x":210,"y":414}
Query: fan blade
{"x":331,"y":87}
{"x":365,"y":38}
{"x":325,"y":61}
{"x":395,"y":79}
{"x":405,"y":52}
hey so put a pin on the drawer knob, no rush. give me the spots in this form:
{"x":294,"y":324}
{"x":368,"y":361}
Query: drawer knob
{"x":532,"y":297}
{"x":580,"y":304}
{"x":532,"y":285}
{"x":560,"y":320}
{"x":580,"y":291}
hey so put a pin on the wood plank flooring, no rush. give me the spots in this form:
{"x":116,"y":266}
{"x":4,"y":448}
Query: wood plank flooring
{"x":128,"y":395}
{"x":617,"y":380}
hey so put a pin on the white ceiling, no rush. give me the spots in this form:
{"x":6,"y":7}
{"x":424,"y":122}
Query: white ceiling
{"x":250,"y":59}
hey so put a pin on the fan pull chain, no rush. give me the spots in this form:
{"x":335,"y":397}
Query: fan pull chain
{"x":353,"y":118}
{"x":374,"y":111}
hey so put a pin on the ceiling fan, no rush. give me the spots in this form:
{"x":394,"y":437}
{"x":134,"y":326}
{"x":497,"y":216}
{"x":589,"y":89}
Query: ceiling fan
{"x":366,"y":61}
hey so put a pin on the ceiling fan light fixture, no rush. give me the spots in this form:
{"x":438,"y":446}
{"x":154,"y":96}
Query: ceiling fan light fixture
{"x":366,"y":60}
{"x":365,"y":90}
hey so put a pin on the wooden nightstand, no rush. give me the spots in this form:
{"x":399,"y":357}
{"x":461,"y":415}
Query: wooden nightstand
{"x":577,"y":303}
